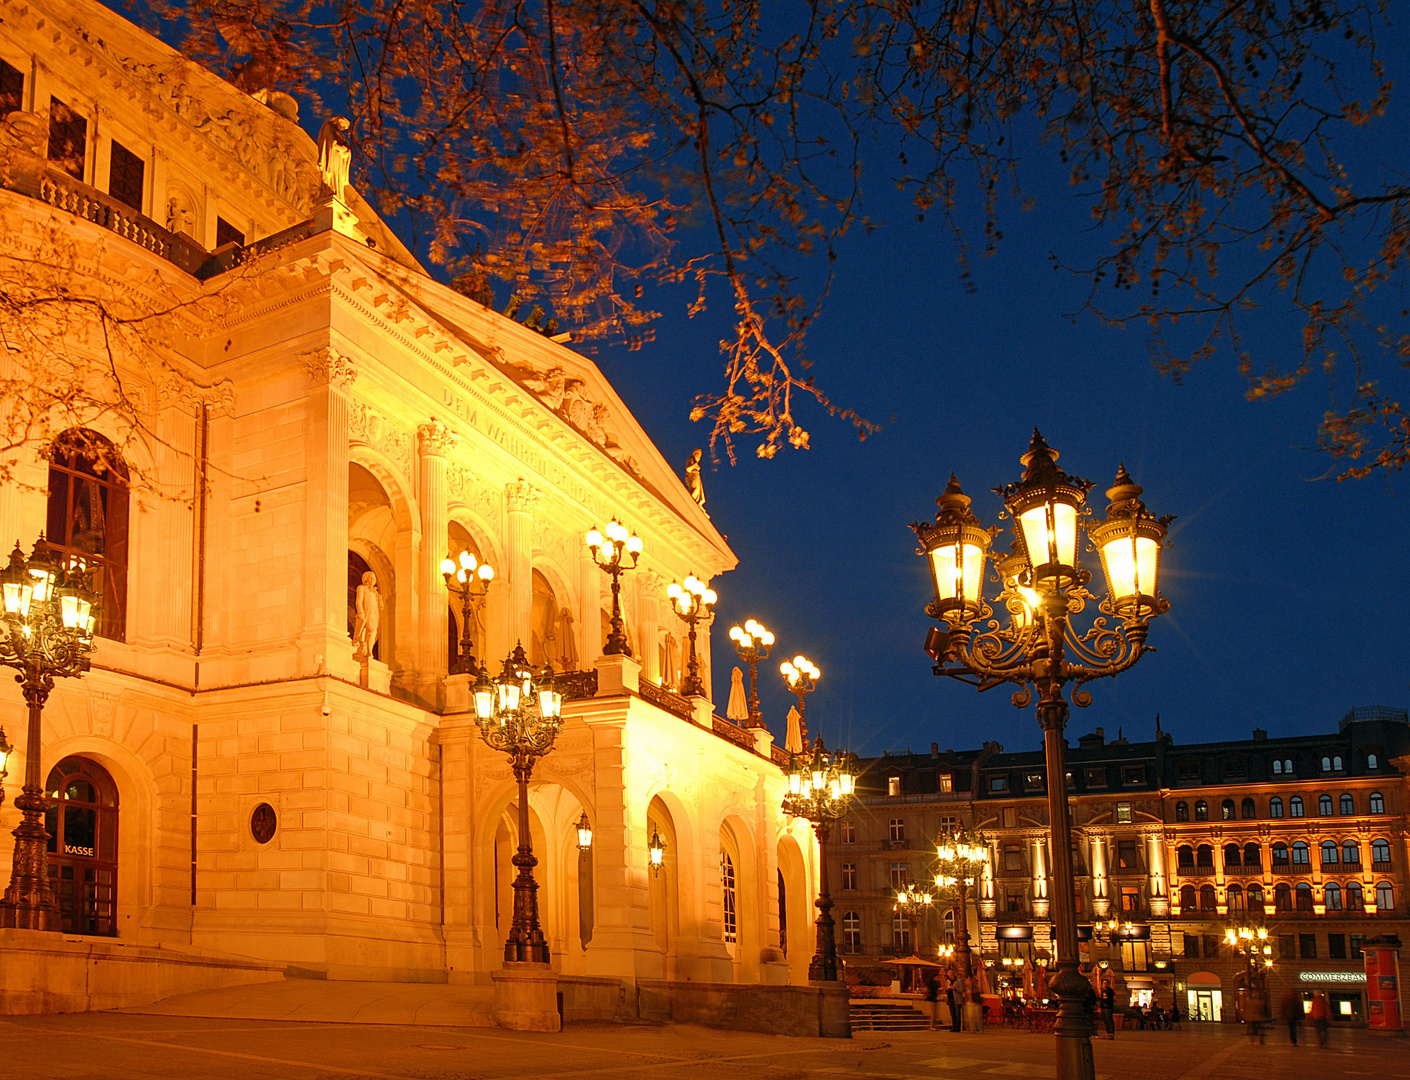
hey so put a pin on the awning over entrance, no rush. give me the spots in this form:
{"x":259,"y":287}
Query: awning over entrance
{"x":1203,"y":980}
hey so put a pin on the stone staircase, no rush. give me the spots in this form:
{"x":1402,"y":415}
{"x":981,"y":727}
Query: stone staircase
{"x":871,"y":1014}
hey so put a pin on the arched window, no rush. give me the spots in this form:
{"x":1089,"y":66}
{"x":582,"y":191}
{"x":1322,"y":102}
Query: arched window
{"x":1331,"y":896}
{"x":1227,"y":809}
{"x":81,"y":817}
{"x":1324,"y":805}
{"x":1187,"y":899}
{"x":1280,"y":854}
{"x":1371,"y":761}
{"x":1201,"y":811}
{"x":1353,"y":897}
{"x":1287,"y":766}
{"x":87,"y":517}
{"x":1232,"y":855}
{"x":1204,"y":856}
{"x":1303,"y":892}
{"x":730,"y":899}
{"x":1329,"y":852}
{"x":1185,"y":857}
{"x":1277,"y":768}
{"x":1182,"y":811}
{"x":1348,"y":804}
{"x":1255,"y":899}
{"x":1235,"y":896}
{"x":1206,"y":898}
{"x":1385,"y":896}
{"x":1249,"y":809}
{"x":1282,"y":897}
{"x":1295,"y":806}
{"x":1378,"y":804}
{"x":1326,"y":764}
{"x":949,"y":927}
{"x":851,"y":932}
{"x":1300,"y":855}
{"x":1336,"y":763}
{"x":1380,"y":852}
{"x":1253,"y":855}
{"x":1351,"y":852}
{"x":1275,"y":807}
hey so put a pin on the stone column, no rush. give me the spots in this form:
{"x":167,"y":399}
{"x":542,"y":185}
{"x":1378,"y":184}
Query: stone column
{"x":649,"y":588}
{"x":1101,"y":885}
{"x":986,"y":902}
{"x":1156,"y":881}
{"x":589,"y":611}
{"x":520,"y":498}
{"x":1038,"y":873}
{"x":325,"y":549}
{"x":434,"y":442}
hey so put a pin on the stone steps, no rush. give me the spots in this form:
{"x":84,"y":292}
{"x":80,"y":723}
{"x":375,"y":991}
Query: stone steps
{"x":885,"y":1016}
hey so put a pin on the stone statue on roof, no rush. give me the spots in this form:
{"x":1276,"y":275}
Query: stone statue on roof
{"x":334,"y":156}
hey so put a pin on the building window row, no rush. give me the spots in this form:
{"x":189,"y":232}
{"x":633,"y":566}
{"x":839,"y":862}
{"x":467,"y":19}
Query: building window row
{"x":1336,"y":896}
{"x":1248,"y":810}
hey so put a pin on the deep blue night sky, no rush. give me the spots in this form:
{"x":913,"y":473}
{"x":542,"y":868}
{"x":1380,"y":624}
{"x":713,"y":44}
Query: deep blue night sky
{"x":1285,"y":586}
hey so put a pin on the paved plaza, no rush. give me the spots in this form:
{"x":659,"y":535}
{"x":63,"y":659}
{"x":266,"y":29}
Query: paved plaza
{"x":399,"y":1032}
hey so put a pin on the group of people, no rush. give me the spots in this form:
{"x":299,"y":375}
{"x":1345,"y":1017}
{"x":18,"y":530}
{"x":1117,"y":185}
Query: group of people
{"x":960,"y":995}
{"x":1291,"y":1012}
{"x":1102,"y":1007}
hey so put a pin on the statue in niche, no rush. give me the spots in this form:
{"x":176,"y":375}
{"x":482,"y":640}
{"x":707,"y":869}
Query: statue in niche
{"x":692,"y":478}
{"x":180,"y":218}
{"x":334,"y":155}
{"x":568,"y":642}
{"x":671,"y":662}
{"x":369,"y":617}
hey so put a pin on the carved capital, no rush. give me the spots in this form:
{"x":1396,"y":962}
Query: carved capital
{"x":328,"y":367}
{"x":176,"y":391}
{"x":435,"y":439}
{"x":521,"y":497}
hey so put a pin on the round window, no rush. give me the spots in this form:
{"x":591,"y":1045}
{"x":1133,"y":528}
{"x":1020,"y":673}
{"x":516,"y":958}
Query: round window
{"x":263,"y":822}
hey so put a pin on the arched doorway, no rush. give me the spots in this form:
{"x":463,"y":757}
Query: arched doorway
{"x":82,"y":822}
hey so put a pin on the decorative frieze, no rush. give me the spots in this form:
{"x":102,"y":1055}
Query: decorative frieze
{"x":328,"y":367}
{"x":371,"y":428}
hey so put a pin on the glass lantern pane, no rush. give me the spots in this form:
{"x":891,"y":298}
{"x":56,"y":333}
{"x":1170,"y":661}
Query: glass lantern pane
{"x":1132,"y":572}
{"x":1040,"y":541}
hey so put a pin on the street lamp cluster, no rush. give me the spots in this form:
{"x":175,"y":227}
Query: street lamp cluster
{"x":752,"y":642}
{"x":960,"y":857}
{"x":1044,"y":585}
{"x":49,"y":618}
{"x":461,"y":574}
{"x":610,"y":553}
{"x":693,"y":602}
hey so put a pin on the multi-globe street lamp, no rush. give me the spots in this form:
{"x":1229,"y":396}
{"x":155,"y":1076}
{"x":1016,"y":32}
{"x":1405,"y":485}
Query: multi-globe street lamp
{"x":912,"y":902}
{"x":960,"y":858}
{"x":1250,"y":940}
{"x":519,"y":713}
{"x":820,"y":788}
{"x":1044,"y":586}
{"x":610,"y":553}
{"x":693,"y":602}
{"x":49,"y":616}
{"x":752,"y":642}
{"x":461,"y":575}
{"x":802,"y":675}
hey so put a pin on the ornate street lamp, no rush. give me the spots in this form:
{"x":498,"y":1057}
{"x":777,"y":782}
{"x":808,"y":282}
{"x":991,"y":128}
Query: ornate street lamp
{"x":520,"y":713}
{"x":461,"y":575}
{"x":584,"y":828}
{"x":609,"y":553}
{"x":960,"y":859}
{"x":49,"y":614}
{"x":1045,"y":585}
{"x":693,"y":603}
{"x":802,"y":675}
{"x":1250,"y":940}
{"x":913,"y":901}
{"x":820,"y":788}
{"x":656,"y":852}
{"x":752,"y":642}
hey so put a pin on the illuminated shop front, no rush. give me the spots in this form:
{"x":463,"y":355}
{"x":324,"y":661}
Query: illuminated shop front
{"x":1345,"y":990}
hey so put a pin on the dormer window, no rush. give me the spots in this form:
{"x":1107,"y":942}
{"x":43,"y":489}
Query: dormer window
{"x":998,"y":783}
{"x":1371,"y":761}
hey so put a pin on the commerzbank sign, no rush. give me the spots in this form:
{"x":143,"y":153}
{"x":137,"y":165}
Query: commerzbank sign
{"x":1341,"y":978}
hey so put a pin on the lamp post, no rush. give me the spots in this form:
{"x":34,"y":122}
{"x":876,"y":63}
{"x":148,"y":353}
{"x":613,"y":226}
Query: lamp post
{"x":461,"y":574}
{"x":960,"y":859}
{"x":609,"y":553}
{"x":693,"y":603}
{"x":913,"y":901}
{"x":1250,"y":941}
{"x":802,"y":675}
{"x":752,"y":642}
{"x":1045,"y":585}
{"x":520,"y":713}
{"x":656,"y":852}
{"x":820,"y":788}
{"x":584,"y":828}
{"x":49,"y":618}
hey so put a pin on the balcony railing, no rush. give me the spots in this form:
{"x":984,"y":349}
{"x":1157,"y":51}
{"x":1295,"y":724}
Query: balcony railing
{"x":1194,"y":871}
{"x":1380,"y":867}
{"x":1291,"y":868}
{"x":1244,"y":870}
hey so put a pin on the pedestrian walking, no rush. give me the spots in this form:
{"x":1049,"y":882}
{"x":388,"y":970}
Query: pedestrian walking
{"x":952,"y":999}
{"x":932,"y":995}
{"x":1290,"y":1013}
{"x":1109,"y":1010}
{"x":1320,"y":1014}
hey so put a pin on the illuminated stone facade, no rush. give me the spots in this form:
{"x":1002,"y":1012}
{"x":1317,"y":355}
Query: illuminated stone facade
{"x":323,"y":408}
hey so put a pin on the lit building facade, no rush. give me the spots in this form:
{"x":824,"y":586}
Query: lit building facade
{"x":1304,"y":835}
{"x":231,"y":776}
